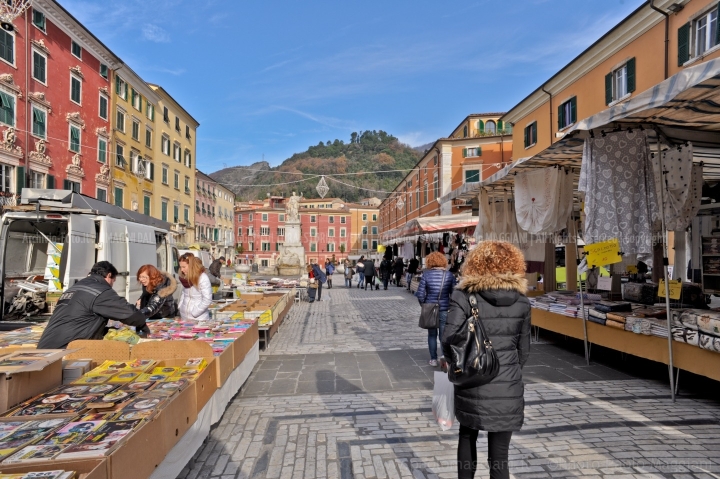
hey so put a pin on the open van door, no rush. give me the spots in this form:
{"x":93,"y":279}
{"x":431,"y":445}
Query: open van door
{"x":81,"y":249}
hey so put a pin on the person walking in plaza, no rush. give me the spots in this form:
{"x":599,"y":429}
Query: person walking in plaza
{"x":312,"y":284}
{"x":196,"y":295}
{"x":320,"y":278}
{"x":413,"y":265}
{"x":436,"y":286}
{"x":385,"y":271}
{"x":369,"y":271}
{"x":360,"y":267}
{"x":494,"y":273}
{"x":398,"y":268}
{"x":349,"y":272}
{"x":329,"y":271}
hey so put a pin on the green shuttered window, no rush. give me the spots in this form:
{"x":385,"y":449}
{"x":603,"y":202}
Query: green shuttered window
{"x":530,"y":135}
{"x":39,"y":67}
{"x":567,"y":113}
{"x":38,"y":125}
{"x":7,"y":46}
{"x":7,"y":109}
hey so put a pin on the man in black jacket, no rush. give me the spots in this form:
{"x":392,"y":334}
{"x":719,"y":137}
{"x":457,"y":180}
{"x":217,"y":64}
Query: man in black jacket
{"x":84,"y":309}
{"x":412,"y":270}
{"x":214,"y":270}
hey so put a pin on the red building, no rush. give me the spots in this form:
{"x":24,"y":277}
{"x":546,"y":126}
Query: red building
{"x":261,"y":231}
{"x":54,"y":103}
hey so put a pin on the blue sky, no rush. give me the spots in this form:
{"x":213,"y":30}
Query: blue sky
{"x":272,"y":78}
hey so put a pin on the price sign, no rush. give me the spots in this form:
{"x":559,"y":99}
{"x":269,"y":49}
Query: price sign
{"x":604,"y":283}
{"x":674,"y":287}
{"x":603,"y":253}
{"x":631,"y":269}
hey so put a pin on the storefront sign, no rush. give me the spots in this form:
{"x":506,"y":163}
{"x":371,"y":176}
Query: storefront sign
{"x":675,"y":288}
{"x":603,"y":253}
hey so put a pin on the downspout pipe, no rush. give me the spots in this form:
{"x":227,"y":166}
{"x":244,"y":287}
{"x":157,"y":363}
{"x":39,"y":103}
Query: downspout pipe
{"x":551,"y":111}
{"x":667,"y":34}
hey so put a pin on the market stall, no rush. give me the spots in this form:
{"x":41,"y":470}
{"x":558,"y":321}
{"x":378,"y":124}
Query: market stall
{"x":667,"y":140}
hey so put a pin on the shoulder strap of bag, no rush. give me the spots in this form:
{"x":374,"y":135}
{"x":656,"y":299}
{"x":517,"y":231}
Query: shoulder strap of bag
{"x":442,"y":284}
{"x":476,"y":315}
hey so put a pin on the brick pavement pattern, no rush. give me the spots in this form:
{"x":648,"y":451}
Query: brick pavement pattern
{"x":344,"y":391}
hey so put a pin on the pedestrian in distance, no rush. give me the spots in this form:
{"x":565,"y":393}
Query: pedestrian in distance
{"x":349,"y":273}
{"x":436,"y":286}
{"x":398,"y":268}
{"x":494,"y":273}
{"x":329,"y":271}
{"x":412,"y":270}
{"x":320,"y":277}
{"x":312,"y":283}
{"x":385,"y":271}
{"x":369,"y":271}
{"x":360,"y":268}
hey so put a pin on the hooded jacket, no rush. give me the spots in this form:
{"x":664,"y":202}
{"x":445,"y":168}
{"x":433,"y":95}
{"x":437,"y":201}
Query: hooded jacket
{"x":398,"y":267}
{"x":84,"y":309}
{"x":429,"y":288}
{"x":505,"y":313}
{"x":160,"y":303}
{"x":369,"y":268}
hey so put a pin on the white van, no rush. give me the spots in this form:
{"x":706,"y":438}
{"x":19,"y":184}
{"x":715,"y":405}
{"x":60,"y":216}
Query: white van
{"x":204,"y":256}
{"x":90,"y":231}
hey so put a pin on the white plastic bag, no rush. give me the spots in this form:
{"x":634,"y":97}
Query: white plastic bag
{"x":443,"y":403}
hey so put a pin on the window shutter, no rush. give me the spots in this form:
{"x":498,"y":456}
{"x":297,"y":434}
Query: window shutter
{"x":683,"y":44}
{"x":152,"y":171}
{"x":479,"y":151}
{"x":117,"y":84}
{"x":20,"y":180}
{"x":464,"y":152}
{"x":561,"y":120}
{"x":534,"y":133}
{"x":608,"y":88}
{"x":717,"y":30}
{"x":631,"y":75}
{"x":525,"y":137}
{"x":481,"y":126}
{"x":573,"y":109}
{"x":50,"y":182}
{"x":500,"y":125}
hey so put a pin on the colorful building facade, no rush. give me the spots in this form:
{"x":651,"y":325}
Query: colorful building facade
{"x":478,"y":147}
{"x":133,"y":150}
{"x":205,"y":204}
{"x":54,"y":104}
{"x":225,"y":221}
{"x":175,"y":144}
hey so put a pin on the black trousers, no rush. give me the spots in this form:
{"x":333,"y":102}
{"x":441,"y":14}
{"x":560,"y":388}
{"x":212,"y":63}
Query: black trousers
{"x":498,"y":447}
{"x":369,"y":280}
{"x":319,"y":289}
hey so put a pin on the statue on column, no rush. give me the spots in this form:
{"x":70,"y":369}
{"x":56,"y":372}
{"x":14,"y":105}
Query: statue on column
{"x":292,"y":208}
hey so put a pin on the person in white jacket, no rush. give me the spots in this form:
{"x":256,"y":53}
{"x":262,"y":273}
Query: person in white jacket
{"x":196,"y":295}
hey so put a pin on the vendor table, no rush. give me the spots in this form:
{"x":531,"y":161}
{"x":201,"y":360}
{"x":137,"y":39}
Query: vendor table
{"x":267,"y":332}
{"x":685,"y":356}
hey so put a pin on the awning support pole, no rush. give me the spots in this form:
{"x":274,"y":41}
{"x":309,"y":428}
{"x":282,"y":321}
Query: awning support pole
{"x":582,"y":299}
{"x":665,"y":273}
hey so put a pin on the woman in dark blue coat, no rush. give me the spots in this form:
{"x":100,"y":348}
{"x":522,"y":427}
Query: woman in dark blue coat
{"x":436,"y":286}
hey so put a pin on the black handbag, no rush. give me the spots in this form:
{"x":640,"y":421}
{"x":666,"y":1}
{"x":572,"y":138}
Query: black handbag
{"x":472,"y":359}
{"x":430,"y":312}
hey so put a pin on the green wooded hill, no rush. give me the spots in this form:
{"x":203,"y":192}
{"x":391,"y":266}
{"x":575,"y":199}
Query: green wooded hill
{"x":368,"y":151}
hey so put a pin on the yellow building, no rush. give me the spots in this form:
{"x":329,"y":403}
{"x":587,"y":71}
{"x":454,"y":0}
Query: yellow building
{"x":364,"y":227}
{"x":132,"y":143}
{"x":225,"y":205}
{"x":174,"y":141}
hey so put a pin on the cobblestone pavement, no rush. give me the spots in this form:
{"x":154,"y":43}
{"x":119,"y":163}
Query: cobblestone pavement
{"x":344,"y":391}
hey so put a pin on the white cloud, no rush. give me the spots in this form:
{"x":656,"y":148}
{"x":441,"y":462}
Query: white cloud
{"x":155,"y":33}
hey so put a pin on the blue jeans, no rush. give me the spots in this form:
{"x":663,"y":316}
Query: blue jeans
{"x":433,"y":333}
{"x":348,"y":282}
{"x":362,"y":279}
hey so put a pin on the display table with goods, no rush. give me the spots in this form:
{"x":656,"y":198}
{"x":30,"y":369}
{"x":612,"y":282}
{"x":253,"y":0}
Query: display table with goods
{"x":636,"y":328}
{"x":142,"y":411}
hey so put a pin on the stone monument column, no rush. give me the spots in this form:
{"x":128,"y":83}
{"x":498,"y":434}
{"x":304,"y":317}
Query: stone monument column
{"x":292,"y":252}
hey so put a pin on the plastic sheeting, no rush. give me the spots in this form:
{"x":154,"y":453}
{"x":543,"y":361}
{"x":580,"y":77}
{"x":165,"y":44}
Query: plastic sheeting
{"x":192,"y":440}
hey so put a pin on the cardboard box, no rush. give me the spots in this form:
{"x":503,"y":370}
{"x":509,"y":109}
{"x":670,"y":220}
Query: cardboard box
{"x":178,"y":416}
{"x":96,"y":468}
{"x":18,"y":384}
{"x":99,"y":350}
{"x":140,"y":453}
{"x":176,"y":353}
{"x":244,"y":344}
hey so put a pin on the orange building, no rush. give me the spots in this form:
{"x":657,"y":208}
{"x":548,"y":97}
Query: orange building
{"x":475,"y":149}
{"x":632,"y":57}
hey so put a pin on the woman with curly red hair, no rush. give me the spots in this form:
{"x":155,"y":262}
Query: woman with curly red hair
{"x":156,"y":300}
{"x":494,"y":275}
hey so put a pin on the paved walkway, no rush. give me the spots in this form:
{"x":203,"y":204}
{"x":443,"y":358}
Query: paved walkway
{"x":344,"y":391}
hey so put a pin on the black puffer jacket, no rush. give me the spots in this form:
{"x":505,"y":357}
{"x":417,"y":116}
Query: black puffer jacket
{"x":505,"y":312}
{"x":160,"y":303}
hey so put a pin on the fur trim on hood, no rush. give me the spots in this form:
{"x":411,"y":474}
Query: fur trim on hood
{"x":170,"y":288}
{"x":506,"y":281}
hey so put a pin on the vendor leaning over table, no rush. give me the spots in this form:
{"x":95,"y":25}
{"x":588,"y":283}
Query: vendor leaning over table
{"x":84,"y":309}
{"x":157,"y":300}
